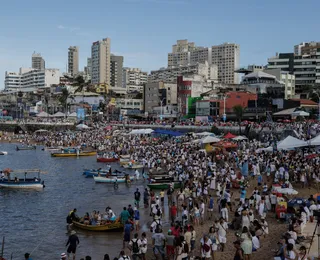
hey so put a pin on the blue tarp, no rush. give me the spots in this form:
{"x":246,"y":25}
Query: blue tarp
{"x":167,"y":132}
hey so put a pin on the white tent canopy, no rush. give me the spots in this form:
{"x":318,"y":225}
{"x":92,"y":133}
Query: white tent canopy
{"x":239,"y":138}
{"x":141,"y":131}
{"x":290,"y":143}
{"x":82,"y":126}
{"x":43,"y":114}
{"x":210,"y":139}
{"x":58,"y":114}
{"x":267,"y":149}
{"x":315,"y":141}
{"x":74,"y":114}
{"x":204,"y":134}
{"x":300,"y":113}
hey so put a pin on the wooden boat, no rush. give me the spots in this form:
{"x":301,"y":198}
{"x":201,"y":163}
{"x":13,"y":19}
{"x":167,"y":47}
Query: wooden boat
{"x":74,"y":154}
{"x":112,"y":179}
{"x":161,"y":178}
{"x":134,"y":166}
{"x":29,"y":147}
{"x":125,"y":156}
{"x":16,"y":180}
{"x":107,"y":227}
{"x":163,"y":185}
{"x":3,"y":153}
{"x":157,"y":172}
{"x":107,"y":160}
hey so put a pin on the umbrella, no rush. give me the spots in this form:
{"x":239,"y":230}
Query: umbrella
{"x":229,"y":136}
{"x":82,"y":126}
{"x":210,"y":139}
{"x":204,"y":134}
{"x":239,"y":138}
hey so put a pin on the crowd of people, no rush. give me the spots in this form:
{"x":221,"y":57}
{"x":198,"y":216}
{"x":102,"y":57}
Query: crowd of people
{"x":225,"y":196}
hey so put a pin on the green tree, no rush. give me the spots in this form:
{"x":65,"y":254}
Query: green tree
{"x":63,"y":99}
{"x":239,"y":111}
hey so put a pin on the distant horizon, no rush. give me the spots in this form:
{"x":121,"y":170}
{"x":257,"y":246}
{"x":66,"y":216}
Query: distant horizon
{"x":143,"y":31}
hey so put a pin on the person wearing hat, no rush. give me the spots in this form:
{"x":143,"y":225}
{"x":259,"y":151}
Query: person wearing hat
{"x":73,"y":242}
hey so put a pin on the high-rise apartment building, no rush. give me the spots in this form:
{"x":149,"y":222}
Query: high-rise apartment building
{"x":209,"y":72}
{"x":73,"y":60}
{"x":134,"y":77}
{"x":37,"y":61}
{"x":226,"y":56}
{"x":116,"y":67}
{"x":306,"y":48}
{"x":101,"y":62}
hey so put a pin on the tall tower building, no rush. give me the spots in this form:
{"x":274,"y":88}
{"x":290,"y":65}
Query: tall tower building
{"x":38,"y":62}
{"x":227,"y":57}
{"x":73,"y":60}
{"x":101,"y":61}
{"x":116,"y":68}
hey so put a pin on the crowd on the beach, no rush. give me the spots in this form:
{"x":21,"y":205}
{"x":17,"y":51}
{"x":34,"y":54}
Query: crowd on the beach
{"x":223,"y":192}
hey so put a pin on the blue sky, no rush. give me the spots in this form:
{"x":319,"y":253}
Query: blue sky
{"x":143,"y":31}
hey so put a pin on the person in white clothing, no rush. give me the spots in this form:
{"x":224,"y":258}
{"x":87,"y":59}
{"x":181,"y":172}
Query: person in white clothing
{"x":224,"y":213}
{"x":222,"y":232}
{"x":255,"y":241}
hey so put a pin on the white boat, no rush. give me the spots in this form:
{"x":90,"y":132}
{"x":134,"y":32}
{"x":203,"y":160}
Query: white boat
{"x":18,"y":180}
{"x":3,"y":153}
{"x":134,"y":166}
{"x":52,"y":148}
{"x":111,"y":179}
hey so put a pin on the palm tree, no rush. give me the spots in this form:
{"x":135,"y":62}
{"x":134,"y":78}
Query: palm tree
{"x":239,"y":111}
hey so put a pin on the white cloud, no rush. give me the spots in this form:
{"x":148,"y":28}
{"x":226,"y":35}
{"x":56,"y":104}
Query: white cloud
{"x":71,"y":29}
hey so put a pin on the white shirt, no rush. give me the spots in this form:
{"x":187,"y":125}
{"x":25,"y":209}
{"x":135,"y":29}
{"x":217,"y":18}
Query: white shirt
{"x":224,"y":214}
{"x":255,"y":242}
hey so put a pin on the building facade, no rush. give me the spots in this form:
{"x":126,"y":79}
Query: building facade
{"x":285,"y":78}
{"x":209,"y":72}
{"x":283,"y":61}
{"x":227,"y":57}
{"x":190,"y":87}
{"x":116,"y":67}
{"x":37,"y":61}
{"x":101,"y":62}
{"x":134,"y":76}
{"x":28,"y":79}
{"x":73,"y":60}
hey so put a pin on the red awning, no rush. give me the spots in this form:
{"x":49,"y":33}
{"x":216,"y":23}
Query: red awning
{"x":229,"y":136}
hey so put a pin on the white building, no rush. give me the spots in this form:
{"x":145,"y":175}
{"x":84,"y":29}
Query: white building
{"x":73,"y":60}
{"x":129,"y":106}
{"x":209,"y":72}
{"x":28,"y":79}
{"x":37,"y":62}
{"x":134,"y":88}
{"x":134,"y":76}
{"x":226,"y":56}
{"x":101,"y":62}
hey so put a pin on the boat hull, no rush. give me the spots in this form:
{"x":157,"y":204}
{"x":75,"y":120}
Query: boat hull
{"x":158,"y":186}
{"x":111,"y":179}
{"x":138,"y":166}
{"x":26,"y":148}
{"x":3,"y":153}
{"x":14,"y":185}
{"x":107,"y":160}
{"x":109,"y":227}
{"x":73,"y":154}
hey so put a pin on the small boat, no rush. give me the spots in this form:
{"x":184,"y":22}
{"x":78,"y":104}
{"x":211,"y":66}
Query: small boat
{"x":74,"y":154}
{"x":125,"y":156}
{"x":161,"y":178}
{"x":155,"y":171}
{"x":163,"y":185}
{"x":107,"y":227}
{"x":134,"y":166}
{"x":107,"y":160}
{"x":29,"y":147}
{"x":18,"y":180}
{"x":3,"y":153}
{"x":112,"y":179}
